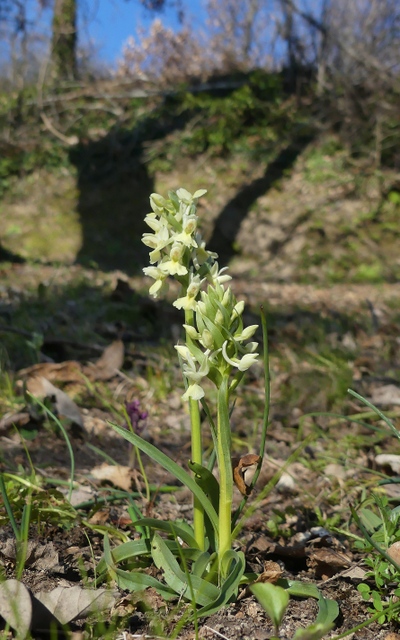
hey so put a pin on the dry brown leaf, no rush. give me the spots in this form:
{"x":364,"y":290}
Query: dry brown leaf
{"x":81,"y":494}
{"x":327,"y":562}
{"x":70,"y":603}
{"x":243,"y":471}
{"x":68,"y":371}
{"x":38,"y":556}
{"x":271,"y":573}
{"x":119,"y":475}
{"x":16,"y":606}
{"x":16,"y":419}
{"x":41,"y":388}
{"x":109,"y":363}
{"x":354,"y":573}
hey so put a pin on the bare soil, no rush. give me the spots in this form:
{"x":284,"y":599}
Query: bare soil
{"x":314,"y":489}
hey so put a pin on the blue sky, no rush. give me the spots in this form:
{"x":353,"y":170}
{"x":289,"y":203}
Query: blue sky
{"x":105,"y":25}
{"x":108,"y":23}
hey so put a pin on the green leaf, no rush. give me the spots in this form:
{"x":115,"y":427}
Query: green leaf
{"x":176,"y":530}
{"x":371,"y":521}
{"x":108,"y":557}
{"x":185,"y":585}
{"x":328,"y":611}
{"x":215,"y":332}
{"x":171,"y":466}
{"x":313,"y":632}
{"x":123,"y":552}
{"x":376,"y":600}
{"x":135,"y":581}
{"x":207,"y":481}
{"x":300,"y":589}
{"x":365,"y":591}
{"x":202,"y":564}
{"x":389,"y":423}
{"x":131,"y":580}
{"x":273,"y":599}
{"x":229,"y":586}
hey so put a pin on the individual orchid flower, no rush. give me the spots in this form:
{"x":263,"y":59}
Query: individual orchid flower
{"x":154,"y":222}
{"x":156,"y":241}
{"x":237,"y":310}
{"x":173,"y":266}
{"x":243,"y":363}
{"x":184,"y":196}
{"x":206,"y":339}
{"x":160,"y":285}
{"x":186,"y":237}
{"x":193,"y":374}
{"x":187,"y":198}
{"x":189,"y":302}
{"x":194,"y":391}
{"x":218,"y":276}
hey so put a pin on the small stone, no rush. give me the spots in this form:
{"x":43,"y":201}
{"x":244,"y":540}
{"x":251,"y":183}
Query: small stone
{"x":285,"y":483}
{"x":389,"y":460}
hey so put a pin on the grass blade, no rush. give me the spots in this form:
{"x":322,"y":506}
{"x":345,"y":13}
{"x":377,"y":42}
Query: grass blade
{"x":171,"y":466}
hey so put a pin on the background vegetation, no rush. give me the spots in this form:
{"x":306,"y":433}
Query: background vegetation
{"x":267,"y":91}
{"x":287,"y":112}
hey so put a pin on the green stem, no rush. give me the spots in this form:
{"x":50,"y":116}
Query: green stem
{"x":197,"y":454}
{"x":225,"y":471}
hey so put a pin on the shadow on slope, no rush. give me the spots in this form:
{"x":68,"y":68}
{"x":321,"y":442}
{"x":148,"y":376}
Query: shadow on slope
{"x":114,"y":187}
{"x":229,"y":220}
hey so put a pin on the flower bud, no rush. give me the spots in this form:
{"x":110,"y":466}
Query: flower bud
{"x":237,"y":309}
{"x":247,"y":333}
{"x":157,"y":201}
{"x":207,"y":339}
{"x":191,"y":332}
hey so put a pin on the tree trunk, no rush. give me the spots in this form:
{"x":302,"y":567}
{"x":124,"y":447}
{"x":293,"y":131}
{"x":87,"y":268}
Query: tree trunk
{"x":63,"y":51}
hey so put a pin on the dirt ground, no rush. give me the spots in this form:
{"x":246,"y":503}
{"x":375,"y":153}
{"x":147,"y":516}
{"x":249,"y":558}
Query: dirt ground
{"x":315,"y":488}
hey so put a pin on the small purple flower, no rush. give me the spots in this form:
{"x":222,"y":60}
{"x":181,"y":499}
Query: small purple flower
{"x":137,"y":418}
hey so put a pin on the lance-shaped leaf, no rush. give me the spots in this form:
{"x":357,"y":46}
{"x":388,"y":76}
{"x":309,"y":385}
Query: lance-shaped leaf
{"x":171,"y":466}
{"x":273,"y":599}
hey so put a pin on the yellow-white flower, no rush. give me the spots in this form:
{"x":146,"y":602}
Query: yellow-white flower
{"x":189,"y":224}
{"x":160,"y":280}
{"x":156,"y":241}
{"x":189,"y":301}
{"x":193,"y":374}
{"x":217,"y":275}
{"x":245,"y":361}
{"x":247,"y":333}
{"x":157,"y":202}
{"x":194,"y":391}
{"x":174,"y":266}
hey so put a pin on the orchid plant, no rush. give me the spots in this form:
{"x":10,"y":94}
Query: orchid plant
{"x":217,"y":350}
